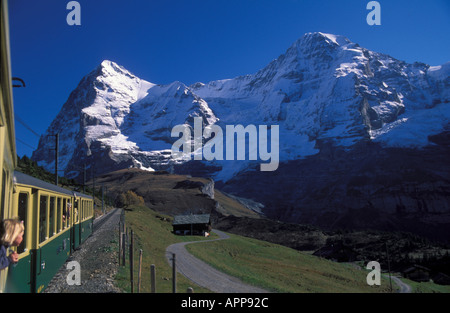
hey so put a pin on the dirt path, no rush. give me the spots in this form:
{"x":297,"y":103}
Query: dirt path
{"x":404,"y":288}
{"x":203,"y":274}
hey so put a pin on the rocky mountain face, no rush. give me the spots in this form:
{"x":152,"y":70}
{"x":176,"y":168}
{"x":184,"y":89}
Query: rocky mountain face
{"x":363,"y":137}
{"x":369,"y":187}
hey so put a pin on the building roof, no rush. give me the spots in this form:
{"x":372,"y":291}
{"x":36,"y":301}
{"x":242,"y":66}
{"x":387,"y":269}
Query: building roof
{"x":191,"y":219}
{"x":415,"y":267}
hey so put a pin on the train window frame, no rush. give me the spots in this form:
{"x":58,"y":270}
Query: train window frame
{"x":51,"y":217}
{"x":29,"y":236}
{"x":66,"y":219}
{"x":42,"y":233}
{"x":71,"y":212}
{"x":76,"y":217}
{"x":26,"y":239}
{"x":59,"y":214}
{"x":66,"y":213}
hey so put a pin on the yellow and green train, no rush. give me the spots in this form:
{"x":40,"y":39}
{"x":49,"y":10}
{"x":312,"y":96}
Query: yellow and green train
{"x":56,"y":220}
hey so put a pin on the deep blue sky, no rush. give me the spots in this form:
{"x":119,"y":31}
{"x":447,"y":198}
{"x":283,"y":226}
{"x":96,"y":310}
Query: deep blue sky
{"x":191,"y":41}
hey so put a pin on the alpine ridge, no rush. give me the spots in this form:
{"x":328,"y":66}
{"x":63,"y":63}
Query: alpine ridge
{"x":360,"y":131}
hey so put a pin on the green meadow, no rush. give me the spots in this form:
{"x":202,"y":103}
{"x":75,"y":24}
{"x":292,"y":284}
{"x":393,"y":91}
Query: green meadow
{"x":270,"y":266}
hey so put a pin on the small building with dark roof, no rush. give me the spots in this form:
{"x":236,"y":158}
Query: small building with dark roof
{"x":192,"y":224}
{"x":417,"y":273}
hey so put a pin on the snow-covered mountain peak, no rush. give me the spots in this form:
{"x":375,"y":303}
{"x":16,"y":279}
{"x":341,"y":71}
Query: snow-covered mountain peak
{"x":318,"y":37}
{"x":111,"y":77}
{"x":110,"y":68}
{"x":324,"y":88}
{"x":318,"y":46}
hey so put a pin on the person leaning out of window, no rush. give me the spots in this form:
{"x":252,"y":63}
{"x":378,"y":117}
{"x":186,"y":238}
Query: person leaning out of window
{"x":11,"y":235}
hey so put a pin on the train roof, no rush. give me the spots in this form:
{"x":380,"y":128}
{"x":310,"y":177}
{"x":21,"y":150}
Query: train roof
{"x":24,"y":179}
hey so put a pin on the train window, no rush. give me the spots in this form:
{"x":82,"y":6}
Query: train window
{"x":52,"y":218}
{"x":76,"y":211}
{"x":58,"y":215}
{"x":42,"y":219}
{"x":68,"y":213}
{"x":65,"y":213}
{"x":22,"y":211}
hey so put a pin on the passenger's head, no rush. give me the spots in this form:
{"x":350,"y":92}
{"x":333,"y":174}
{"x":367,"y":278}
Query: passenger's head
{"x":11,"y":231}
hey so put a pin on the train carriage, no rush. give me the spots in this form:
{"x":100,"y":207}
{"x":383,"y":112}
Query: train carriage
{"x":56,"y":221}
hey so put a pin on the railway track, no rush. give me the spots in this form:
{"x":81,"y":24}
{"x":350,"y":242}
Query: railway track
{"x":98,"y":262}
{"x":101,"y":220}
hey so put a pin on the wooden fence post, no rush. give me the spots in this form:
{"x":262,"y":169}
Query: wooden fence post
{"x":120,"y":243}
{"x":174,"y":274}
{"x":131,"y":262}
{"x":153,"y":278}
{"x":123,"y":248}
{"x":140,"y":270}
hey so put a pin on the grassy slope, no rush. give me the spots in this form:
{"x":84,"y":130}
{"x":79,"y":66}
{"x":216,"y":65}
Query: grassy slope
{"x":282,"y":269}
{"x":271,"y":266}
{"x":153,"y":235}
{"x":426,"y":287}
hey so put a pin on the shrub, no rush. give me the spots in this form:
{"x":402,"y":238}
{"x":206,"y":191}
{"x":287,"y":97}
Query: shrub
{"x":126,"y":199}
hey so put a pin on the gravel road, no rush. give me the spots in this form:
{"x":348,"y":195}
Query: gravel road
{"x":404,"y":288}
{"x":204,"y":275}
{"x":98,"y":263}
